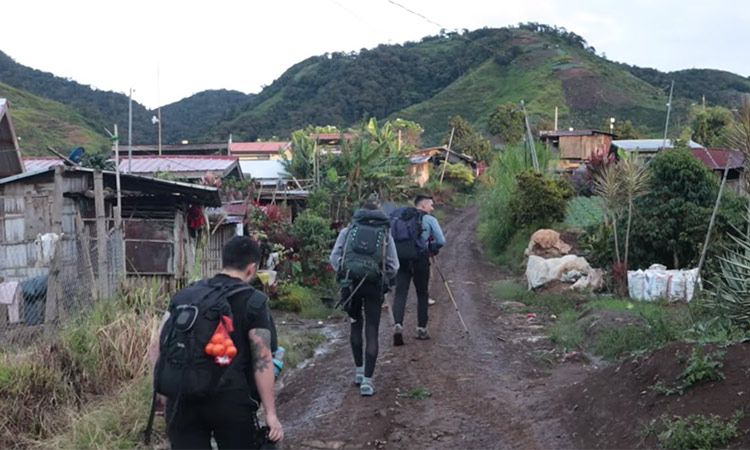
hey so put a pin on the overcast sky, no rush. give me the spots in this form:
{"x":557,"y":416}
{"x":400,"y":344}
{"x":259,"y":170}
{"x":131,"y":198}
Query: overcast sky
{"x":244,"y":45}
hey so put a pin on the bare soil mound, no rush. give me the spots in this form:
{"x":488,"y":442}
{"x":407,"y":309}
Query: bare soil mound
{"x":610,"y":407}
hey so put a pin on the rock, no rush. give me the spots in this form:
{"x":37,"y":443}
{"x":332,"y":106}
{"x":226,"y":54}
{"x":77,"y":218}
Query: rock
{"x":547,"y":244}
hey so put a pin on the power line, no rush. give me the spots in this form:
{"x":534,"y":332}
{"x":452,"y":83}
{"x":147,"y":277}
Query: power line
{"x":415,"y":13}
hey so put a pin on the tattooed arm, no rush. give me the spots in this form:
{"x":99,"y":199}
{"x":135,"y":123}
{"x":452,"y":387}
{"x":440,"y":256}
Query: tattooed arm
{"x":260,"y":343}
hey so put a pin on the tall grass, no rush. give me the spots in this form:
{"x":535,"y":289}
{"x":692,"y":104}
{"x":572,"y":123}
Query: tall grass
{"x":496,"y":227}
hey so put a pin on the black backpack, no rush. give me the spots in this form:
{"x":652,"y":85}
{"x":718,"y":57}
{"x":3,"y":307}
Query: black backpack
{"x":406,"y":229}
{"x":184,"y":371}
{"x":364,"y":252}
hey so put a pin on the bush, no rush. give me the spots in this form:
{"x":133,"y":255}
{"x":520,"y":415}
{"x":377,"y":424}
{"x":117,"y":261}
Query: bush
{"x":496,"y":227}
{"x":539,"y":200}
{"x":315,"y":240}
{"x":697,"y":431}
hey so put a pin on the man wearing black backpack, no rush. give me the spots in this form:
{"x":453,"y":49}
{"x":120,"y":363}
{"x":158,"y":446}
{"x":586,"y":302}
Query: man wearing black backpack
{"x":366,"y":262}
{"x":213,"y":352}
{"x":417,"y":235}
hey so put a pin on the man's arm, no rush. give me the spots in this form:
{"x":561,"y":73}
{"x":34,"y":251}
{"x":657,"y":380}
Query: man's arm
{"x":262,"y":365}
{"x":434,"y":230}
{"x":338,"y":249}
{"x":391,"y":258}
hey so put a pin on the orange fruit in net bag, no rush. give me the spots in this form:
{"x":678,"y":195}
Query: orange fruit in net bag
{"x":217,"y":339}
{"x":219,"y":350}
{"x":232,"y":351}
{"x":228,"y":343}
{"x":209,"y":349}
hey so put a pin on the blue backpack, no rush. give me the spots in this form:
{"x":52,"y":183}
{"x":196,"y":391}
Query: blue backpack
{"x":406,"y":229}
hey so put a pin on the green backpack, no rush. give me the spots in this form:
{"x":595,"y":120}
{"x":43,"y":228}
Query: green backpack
{"x":364,"y":250}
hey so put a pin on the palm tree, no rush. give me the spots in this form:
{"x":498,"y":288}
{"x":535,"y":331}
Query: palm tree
{"x":609,"y":186}
{"x":635,"y":180}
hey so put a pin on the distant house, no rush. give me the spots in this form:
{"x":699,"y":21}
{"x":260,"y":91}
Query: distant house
{"x":10,"y":155}
{"x":647,"y":148}
{"x":576,"y":146}
{"x":330,"y":142}
{"x":260,"y":150}
{"x":424,"y":161}
{"x":717,"y":159}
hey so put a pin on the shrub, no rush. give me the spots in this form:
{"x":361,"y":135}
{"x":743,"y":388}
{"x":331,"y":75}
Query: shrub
{"x":314,"y":239}
{"x":539,"y":200}
{"x":698,"y":431}
{"x":699,"y":367}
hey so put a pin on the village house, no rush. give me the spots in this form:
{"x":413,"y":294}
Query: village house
{"x":719,"y":159}
{"x":186,"y":148}
{"x":576,"y":146}
{"x":422,"y":163}
{"x":153,"y":233}
{"x":647,"y":148}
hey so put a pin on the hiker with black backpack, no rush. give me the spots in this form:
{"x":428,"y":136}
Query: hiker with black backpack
{"x":366,"y":263}
{"x":418,"y":236}
{"x":213,"y":353}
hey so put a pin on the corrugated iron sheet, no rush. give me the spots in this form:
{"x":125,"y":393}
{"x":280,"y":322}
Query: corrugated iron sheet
{"x":177,"y":164}
{"x":719,"y":158}
{"x":258,"y":147}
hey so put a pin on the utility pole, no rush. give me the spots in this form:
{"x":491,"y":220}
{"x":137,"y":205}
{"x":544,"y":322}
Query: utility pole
{"x":158,"y":117}
{"x":669,"y":109}
{"x":130,"y":132}
{"x":530,"y":138}
{"x":555,"y":118}
{"x":447,"y":155}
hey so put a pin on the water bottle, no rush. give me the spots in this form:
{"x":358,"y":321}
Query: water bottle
{"x":278,"y":361}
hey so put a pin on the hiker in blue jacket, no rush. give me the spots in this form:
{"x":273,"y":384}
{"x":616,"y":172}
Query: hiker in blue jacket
{"x":414,"y":253}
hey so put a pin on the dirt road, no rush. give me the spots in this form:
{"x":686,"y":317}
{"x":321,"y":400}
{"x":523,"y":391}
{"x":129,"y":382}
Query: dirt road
{"x":487,"y":390}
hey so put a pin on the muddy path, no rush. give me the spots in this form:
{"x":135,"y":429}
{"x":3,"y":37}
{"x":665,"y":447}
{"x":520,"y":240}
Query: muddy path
{"x":486,"y":390}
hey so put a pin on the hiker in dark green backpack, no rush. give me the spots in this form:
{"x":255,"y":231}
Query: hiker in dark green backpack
{"x":213,"y":351}
{"x":366,"y":263}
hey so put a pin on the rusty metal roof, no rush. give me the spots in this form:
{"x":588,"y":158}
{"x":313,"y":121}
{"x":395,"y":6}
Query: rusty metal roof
{"x":719,"y":158}
{"x":258,"y":147}
{"x":559,"y":133}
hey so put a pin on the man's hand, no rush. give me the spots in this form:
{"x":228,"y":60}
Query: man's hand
{"x":275,"y":431}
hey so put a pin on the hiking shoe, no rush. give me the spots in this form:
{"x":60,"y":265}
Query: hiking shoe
{"x":422,"y":334}
{"x":430,"y":301}
{"x":398,"y":337}
{"x":366,"y":389}
{"x":359,"y":374}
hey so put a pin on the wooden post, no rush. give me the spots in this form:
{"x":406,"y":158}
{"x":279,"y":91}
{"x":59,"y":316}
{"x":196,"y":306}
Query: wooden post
{"x":101,"y":234}
{"x":447,"y":155}
{"x":84,"y":237}
{"x":54,"y":287}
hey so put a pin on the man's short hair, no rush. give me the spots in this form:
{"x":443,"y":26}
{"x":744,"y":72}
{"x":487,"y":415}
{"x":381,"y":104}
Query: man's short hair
{"x":239,"y":252}
{"x":419,"y":198}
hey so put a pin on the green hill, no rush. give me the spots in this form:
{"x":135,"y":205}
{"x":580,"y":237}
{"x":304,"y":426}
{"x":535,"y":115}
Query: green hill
{"x":470,"y":73}
{"x":426,"y":81}
{"x":40,"y":122}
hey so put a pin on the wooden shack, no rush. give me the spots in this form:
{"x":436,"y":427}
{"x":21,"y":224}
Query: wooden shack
{"x":576,"y":146}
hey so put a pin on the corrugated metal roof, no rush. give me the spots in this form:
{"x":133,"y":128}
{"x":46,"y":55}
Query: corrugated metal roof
{"x":649,"y":144}
{"x":331,"y":136}
{"x":177,"y":164}
{"x":131,"y":182}
{"x":558,"y":133}
{"x":263,"y":169}
{"x":41,"y":162}
{"x":419,"y":159}
{"x":719,"y":158}
{"x":258,"y":147}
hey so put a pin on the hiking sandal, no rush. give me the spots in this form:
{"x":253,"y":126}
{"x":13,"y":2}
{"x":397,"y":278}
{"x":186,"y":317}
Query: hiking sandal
{"x":366,"y":389}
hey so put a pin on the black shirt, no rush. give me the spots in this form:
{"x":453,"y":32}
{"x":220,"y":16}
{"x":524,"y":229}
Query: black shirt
{"x":247,"y":314}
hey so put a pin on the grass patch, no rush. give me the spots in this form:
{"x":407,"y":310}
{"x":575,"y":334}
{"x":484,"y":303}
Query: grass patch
{"x":508,"y":289}
{"x":512,"y":257}
{"x":566,"y":331}
{"x":696,"y":431}
{"x":116,"y":421}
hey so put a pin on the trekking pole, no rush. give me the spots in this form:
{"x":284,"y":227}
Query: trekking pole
{"x":346,"y":302}
{"x":450,"y":294}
